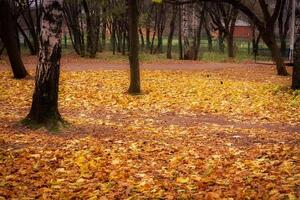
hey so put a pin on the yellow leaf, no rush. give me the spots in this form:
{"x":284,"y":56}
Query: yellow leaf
{"x":182,"y":180}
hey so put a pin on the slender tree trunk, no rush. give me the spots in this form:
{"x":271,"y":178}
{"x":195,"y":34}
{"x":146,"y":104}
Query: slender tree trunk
{"x":172,"y":30}
{"x":119,"y":37}
{"x":160,"y":28}
{"x":221,"y":42}
{"x":44,"y":108}
{"x":134,"y":87}
{"x":186,"y":12}
{"x":32,"y":29}
{"x":148,"y":43}
{"x":282,"y":47}
{"x":209,"y":38}
{"x":113,"y":37}
{"x":230,"y":45}
{"x":230,"y":41}
{"x":91,"y":10}
{"x":103,"y":32}
{"x":73,"y":19}
{"x":198,"y":36}
{"x":124,"y":42}
{"x":9,"y":38}
{"x":284,"y":24}
{"x":154,"y":32}
{"x":27,"y":41}
{"x":2,"y":47}
{"x":179,"y":34}
{"x":148,"y":27}
{"x":296,"y":68}
{"x":253,"y":39}
{"x":142,"y":39}
{"x":1,"y":50}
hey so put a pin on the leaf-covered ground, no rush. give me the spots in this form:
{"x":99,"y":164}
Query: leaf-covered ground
{"x":190,"y":135}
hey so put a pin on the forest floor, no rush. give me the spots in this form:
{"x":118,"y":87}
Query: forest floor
{"x":199,"y":131}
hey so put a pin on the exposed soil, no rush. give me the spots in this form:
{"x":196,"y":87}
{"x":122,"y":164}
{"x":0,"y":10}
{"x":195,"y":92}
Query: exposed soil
{"x":246,"y":71}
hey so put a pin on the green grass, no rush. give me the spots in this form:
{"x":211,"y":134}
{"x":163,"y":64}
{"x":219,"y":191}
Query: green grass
{"x":215,"y":55}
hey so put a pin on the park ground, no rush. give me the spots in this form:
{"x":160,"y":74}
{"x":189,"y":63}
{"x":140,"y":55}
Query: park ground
{"x":199,"y":130}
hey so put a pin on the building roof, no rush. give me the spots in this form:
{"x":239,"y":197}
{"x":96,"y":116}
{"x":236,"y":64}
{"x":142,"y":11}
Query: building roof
{"x":241,"y":23}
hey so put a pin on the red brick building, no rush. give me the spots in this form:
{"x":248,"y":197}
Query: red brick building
{"x":242,"y":30}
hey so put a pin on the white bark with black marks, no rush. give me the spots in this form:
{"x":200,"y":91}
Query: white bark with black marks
{"x":189,"y":30}
{"x":44,"y":109}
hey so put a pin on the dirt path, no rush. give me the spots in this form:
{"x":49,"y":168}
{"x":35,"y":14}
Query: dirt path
{"x":73,"y":63}
{"x":246,"y":71}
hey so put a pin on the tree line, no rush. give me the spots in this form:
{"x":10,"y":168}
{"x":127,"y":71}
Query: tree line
{"x":132,"y":26}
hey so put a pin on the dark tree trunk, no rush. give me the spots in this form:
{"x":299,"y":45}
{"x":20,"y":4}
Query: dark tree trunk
{"x":284,"y":24}
{"x":208,"y":35}
{"x":32,"y":26}
{"x":133,"y":17}
{"x":142,"y":39}
{"x":9,"y":37}
{"x":179,"y":35}
{"x":44,"y":109}
{"x":154,"y":32}
{"x":198,"y":36}
{"x":2,"y":47}
{"x":27,"y":41}
{"x":221,"y":42}
{"x":148,"y":43}
{"x":72,"y":14}
{"x":209,"y":43}
{"x":103,"y":31}
{"x":230,"y":45}
{"x":92,"y":9}
{"x":124,"y":42}
{"x":172,"y":30}
{"x":283,"y":47}
{"x":269,"y":39}
{"x":230,"y":42}
{"x":160,"y":28}
{"x":119,"y":34}
{"x":253,"y":40}
{"x":296,"y":68}
{"x":256,"y":45}
{"x":113,"y":38}
{"x":148,"y":27}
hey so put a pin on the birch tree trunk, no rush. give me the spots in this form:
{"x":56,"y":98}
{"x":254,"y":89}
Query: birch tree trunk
{"x":44,"y":108}
{"x":189,"y":31}
{"x":185,"y":31}
{"x":296,"y":69}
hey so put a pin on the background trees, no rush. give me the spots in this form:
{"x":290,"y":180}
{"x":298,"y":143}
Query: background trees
{"x":28,"y":23}
{"x":8,"y":35}
{"x":264,"y":15}
{"x":223,"y":17}
{"x":164,"y":26}
{"x":74,"y":21}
